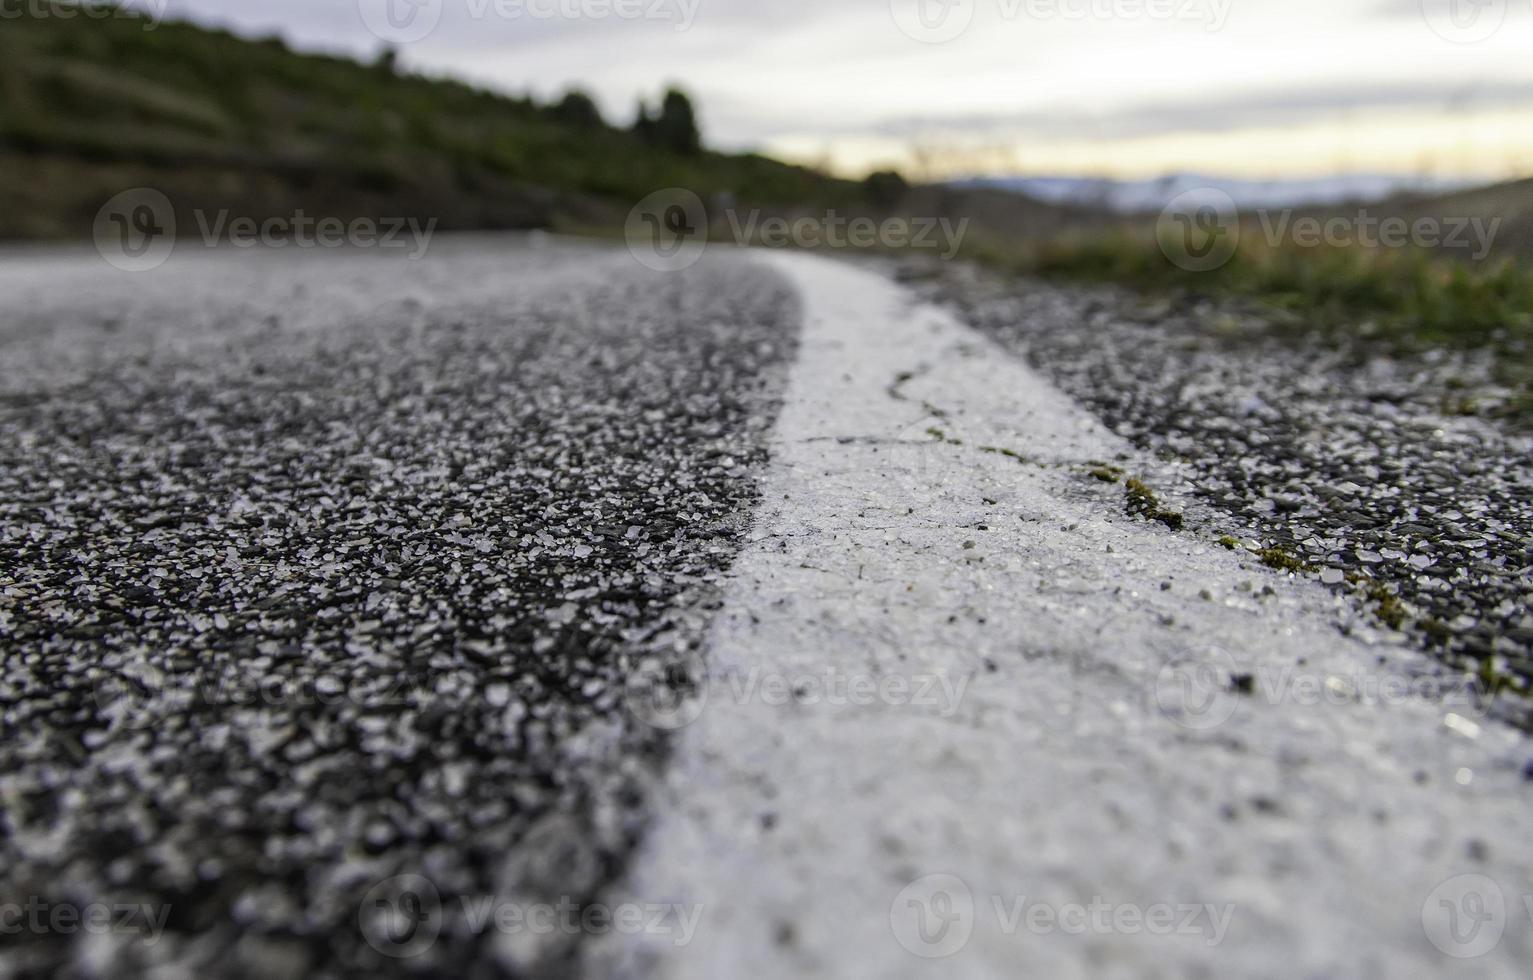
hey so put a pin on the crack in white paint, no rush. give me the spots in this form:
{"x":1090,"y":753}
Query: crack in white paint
{"x":1076,"y":770}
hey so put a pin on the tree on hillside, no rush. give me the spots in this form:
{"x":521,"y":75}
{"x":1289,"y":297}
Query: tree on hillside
{"x":674,"y":127}
{"x":388,"y":60}
{"x":578,"y":109}
{"x":885,"y":189}
{"x":644,"y":124}
{"x":677,"y":126}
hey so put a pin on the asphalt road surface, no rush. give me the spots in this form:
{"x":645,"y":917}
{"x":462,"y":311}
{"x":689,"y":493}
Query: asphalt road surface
{"x":523,"y":612}
{"x":319,"y":572}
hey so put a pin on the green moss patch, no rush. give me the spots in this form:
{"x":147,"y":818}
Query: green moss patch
{"x":1141,"y":501}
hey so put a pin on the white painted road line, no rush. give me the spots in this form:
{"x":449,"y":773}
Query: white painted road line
{"x":955,"y":725}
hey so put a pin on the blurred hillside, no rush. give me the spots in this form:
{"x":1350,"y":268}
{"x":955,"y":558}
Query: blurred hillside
{"x":1510,"y":203}
{"x":215,"y":121}
{"x":90,"y":108}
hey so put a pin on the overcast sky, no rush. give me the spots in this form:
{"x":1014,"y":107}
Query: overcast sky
{"x":941,"y":87}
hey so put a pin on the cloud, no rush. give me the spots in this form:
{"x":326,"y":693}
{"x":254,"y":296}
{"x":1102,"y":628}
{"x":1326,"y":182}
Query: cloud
{"x":1395,"y":9}
{"x":820,"y":72}
{"x":1252,"y":111}
{"x":506,"y":24}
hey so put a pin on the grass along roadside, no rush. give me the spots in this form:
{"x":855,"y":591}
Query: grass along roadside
{"x":1403,"y":301}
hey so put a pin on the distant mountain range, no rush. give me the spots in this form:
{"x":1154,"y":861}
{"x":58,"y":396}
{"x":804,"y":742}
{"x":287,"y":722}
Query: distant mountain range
{"x":1132,"y":196}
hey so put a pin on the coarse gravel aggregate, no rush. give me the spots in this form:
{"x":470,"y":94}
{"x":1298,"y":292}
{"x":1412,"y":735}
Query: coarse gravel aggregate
{"x":324,"y":568}
{"x":1351,"y":462}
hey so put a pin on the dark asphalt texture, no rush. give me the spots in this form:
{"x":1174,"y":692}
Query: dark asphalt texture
{"x":1347,"y":463}
{"x":324,"y":568}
